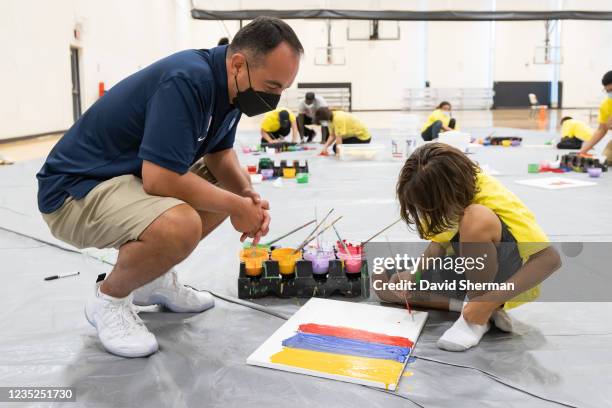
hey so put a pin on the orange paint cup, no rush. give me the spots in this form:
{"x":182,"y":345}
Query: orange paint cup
{"x":253,"y":260}
{"x":286,"y":259}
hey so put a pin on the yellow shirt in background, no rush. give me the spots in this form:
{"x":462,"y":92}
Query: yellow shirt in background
{"x":345,"y":125}
{"x":271,"y":122}
{"x":605,"y":110}
{"x":576,"y":128}
{"x":521,"y":223}
{"x":434,"y":116}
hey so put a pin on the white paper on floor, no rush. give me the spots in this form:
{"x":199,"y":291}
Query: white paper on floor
{"x":555,"y":183}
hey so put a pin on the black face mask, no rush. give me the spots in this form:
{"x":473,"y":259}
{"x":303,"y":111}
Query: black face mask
{"x":252,"y":102}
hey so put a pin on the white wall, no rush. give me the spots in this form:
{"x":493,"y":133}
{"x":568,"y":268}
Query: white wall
{"x":120,"y":36}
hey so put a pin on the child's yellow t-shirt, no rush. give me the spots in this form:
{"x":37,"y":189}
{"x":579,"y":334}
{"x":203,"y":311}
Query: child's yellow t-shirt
{"x":521,"y":222}
{"x":576,"y":128}
{"x":345,"y":125}
{"x":434,"y":116}
{"x":271,"y":121}
{"x":605,"y":110}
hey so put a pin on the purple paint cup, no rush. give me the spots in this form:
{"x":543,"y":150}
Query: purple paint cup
{"x":594,"y":172}
{"x":320,"y":261}
{"x":267,"y":173}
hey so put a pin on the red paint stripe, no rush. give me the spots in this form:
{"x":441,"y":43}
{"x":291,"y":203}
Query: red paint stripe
{"x":355,"y":334}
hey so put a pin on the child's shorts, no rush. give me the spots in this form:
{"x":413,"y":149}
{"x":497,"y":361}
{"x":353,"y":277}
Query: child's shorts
{"x":509,"y":262}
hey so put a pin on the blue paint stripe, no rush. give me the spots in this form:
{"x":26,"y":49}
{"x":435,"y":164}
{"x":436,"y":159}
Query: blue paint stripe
{"x":340,"y":345}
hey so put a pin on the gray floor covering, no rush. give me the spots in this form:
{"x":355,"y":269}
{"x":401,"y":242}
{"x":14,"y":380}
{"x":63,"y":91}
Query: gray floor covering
{"x":561,"y":354}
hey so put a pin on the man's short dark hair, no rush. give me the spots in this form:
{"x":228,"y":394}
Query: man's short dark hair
{"x":565,"y":118}
{"x":310,"y":96}
{"x":223,"y":41}
{"x":262,"y":35}
{"x":607,"y":78}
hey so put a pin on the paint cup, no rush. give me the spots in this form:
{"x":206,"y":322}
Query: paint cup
{"x":516,"y":142}
{"x":267,"y":174}
{"x":286,"y":259}
{"x":251,"y":169}
{"x":253,"y":260}
{"x":506,"y":143}
{"x":302,"y":178}
{"x":352,"y":259}
{"x":256,"y":178}
{"x":594,"y":172}
{"x":289,"y":172}
{"x":533,"y":167}
{"x":320,"y":260}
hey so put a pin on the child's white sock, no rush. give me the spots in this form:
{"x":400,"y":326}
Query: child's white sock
{"x":462,"y":335}
{"x":502,"y":320}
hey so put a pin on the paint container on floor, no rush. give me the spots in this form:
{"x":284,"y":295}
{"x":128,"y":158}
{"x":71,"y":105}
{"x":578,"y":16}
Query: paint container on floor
{"x":302,"y":178}
{"x":267,"y":174}
{"x":286,"y":259}
{"x":533,"y":167}
{"x":506,"y":143}
{"x":594,"y":172}
{"x":251,"y":169}
{"x":516,"y":142}
{"x":320,"y":260}
{"x":253,"y":260}
{"x":256,"y":178}
{"x":289,"y":172}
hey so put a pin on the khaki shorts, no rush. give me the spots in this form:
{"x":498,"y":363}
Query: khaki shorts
{"x":114,"y":212}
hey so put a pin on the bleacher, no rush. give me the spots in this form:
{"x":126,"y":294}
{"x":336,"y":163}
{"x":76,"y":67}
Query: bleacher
{"x":460,"y":98}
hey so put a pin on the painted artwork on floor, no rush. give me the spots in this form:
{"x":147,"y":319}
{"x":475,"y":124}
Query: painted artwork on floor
{"x":346,"y":341}
{"x":555,"y":183}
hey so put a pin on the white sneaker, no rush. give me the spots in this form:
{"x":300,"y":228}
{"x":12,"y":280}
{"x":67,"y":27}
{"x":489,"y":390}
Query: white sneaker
{"x":169,"y":292}
{"x":119,"y":328}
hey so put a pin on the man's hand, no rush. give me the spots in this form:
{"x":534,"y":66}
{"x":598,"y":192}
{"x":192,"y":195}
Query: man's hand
{"x":263,"y":230}
{"x":248,"y":218}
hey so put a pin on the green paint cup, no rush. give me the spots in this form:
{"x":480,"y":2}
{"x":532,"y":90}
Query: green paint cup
{"x":302,"y":178}
{"x":533,"y":167}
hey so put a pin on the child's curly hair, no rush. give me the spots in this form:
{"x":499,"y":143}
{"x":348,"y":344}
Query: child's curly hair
{"x":434,"y":187}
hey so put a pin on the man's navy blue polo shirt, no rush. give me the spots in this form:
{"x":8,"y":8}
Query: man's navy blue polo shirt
{"x":170,"y":113}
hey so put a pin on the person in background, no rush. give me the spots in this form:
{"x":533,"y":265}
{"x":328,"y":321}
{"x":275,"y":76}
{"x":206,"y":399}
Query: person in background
{"x":573,"y":133}
{"x":306,"y":116}
{"x":345,"y":128}
{"x":467,"y":214}
{"x":439,"y":120}
{"x":223,"y":41}
{"x":605,"y":120}
{"x":277,"y":124}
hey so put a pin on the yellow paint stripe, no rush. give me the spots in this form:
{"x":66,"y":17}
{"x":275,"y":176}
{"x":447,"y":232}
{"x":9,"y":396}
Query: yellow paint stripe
{"x":372,"y":369}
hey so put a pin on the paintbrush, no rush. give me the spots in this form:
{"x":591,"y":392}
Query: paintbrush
{"x":381,"y":231}
{"x":341,"y":241}
{"x":289,"y":233}
{"x":298,"y":249}
{"x":398,"y":279}
{"x":308,"y":237}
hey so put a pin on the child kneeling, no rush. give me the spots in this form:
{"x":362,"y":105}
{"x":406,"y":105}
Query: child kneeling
{"x":467,"y":213}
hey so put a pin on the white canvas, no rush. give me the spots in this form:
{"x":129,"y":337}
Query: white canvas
{"x":380,"y":319}
{"x":555,"y":183}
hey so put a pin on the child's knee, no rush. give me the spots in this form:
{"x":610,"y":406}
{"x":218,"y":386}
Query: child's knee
{"x":479,"y":224}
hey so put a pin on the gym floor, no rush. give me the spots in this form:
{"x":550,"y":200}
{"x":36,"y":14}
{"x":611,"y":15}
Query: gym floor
{"x":559,"y":356}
